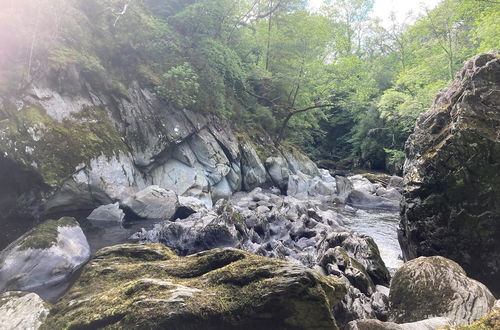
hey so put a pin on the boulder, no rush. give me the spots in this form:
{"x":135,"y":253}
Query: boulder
{"x":298,"y":162}
{"x":389,"y":193}
{"x":344,"y":186}
{"x":362,"y":184}
{"x":451,"y":203}
{"x":148,"y":286}
{"x":435,"y":286}
{"x":360,"y":247}
{"x":110,"y":212}
{"x":43,"y":257}
{"x":153,"y":202}
{"x":337,"y":262}
{"x":253,"y":171}
{"x":277,"y":167}
{"x":298,"y":185}
{"x":363,"y":200}
{"x":22,"y":310}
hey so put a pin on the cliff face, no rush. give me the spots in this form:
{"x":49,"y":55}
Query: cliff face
{"x":62,"y":151}
{"x":451,"y":204}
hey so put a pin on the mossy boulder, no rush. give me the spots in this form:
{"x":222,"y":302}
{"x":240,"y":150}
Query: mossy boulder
{"x":148,"y":286}
{"x":435,"y":286}
{"x":43,"y":257}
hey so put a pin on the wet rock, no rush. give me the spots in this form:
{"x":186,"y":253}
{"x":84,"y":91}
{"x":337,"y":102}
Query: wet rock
{"x":435,"y":286}
{"x":22,"y":310}
{"x":110,"y":212}
{"x":46,"y":255}
{"x":451,"y":203}
{"x":153,"y":202}
{"x":148,"y":286}
{"x":363,"y":200}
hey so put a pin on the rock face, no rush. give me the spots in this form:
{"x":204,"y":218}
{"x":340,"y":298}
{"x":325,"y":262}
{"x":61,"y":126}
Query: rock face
{"x":435,"y":286}
{"x":22,"y":310}
{"x":153,"y":202}
{"x":451,"y":203}
{"x":43,"y":257}
{"x":148,"y":286}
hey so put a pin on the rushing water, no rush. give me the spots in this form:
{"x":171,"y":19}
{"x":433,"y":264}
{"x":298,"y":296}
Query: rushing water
{"x":382,"y":226}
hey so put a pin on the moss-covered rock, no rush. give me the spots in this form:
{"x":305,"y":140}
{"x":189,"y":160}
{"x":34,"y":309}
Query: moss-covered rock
{"x":148,"y":286}
{"x":56,"y":148}
{"x":44,"y":257}
{"x":435,"y":286}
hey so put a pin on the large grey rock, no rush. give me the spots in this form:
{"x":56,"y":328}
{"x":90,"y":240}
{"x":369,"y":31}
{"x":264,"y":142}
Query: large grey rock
{"x":362,"y":184}
{"x":451,"y":203}
{"x":363,"y":200}
{"x":298,"y":185}
{"x":22,"y":311}
{"x":298,"y":162}
{"x":429,"y":324}
{"x":46,"y":255}
{"x":153,"y":202}
{"x":253,"y":171}
{"x":277,"y":167}
{"x":110,"y":212}
{"x":435,"y":286}
{"x":389,"y":193}
{"x":344,"y":186}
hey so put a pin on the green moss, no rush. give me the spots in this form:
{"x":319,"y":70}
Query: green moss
{"x":58,"y":148}
{"x":490,"y":321}
{"x":45,"y":235}
{"x":216,"y":289}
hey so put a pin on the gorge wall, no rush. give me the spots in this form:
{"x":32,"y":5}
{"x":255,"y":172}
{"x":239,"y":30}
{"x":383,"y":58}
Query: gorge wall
{"x":72,"y":149}
{"x":451,"y":204}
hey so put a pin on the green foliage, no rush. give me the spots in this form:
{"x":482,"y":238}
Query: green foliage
{"x":179,"y":86}
{"x":253,"y":62}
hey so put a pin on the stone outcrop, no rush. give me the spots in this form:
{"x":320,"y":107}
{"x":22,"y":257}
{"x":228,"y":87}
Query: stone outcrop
{"x":43,"y":257}
{"x":22,"y":311}
{"x":437,"y":287}
{"x":451,"y":203}
{"x":148,"y":286}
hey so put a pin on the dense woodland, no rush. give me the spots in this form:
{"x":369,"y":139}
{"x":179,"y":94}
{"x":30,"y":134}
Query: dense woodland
{"x":340,"y":85}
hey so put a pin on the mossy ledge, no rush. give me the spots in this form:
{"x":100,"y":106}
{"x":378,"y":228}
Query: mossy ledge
{"x":148,"y":286}
{"x":56,"y":148}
